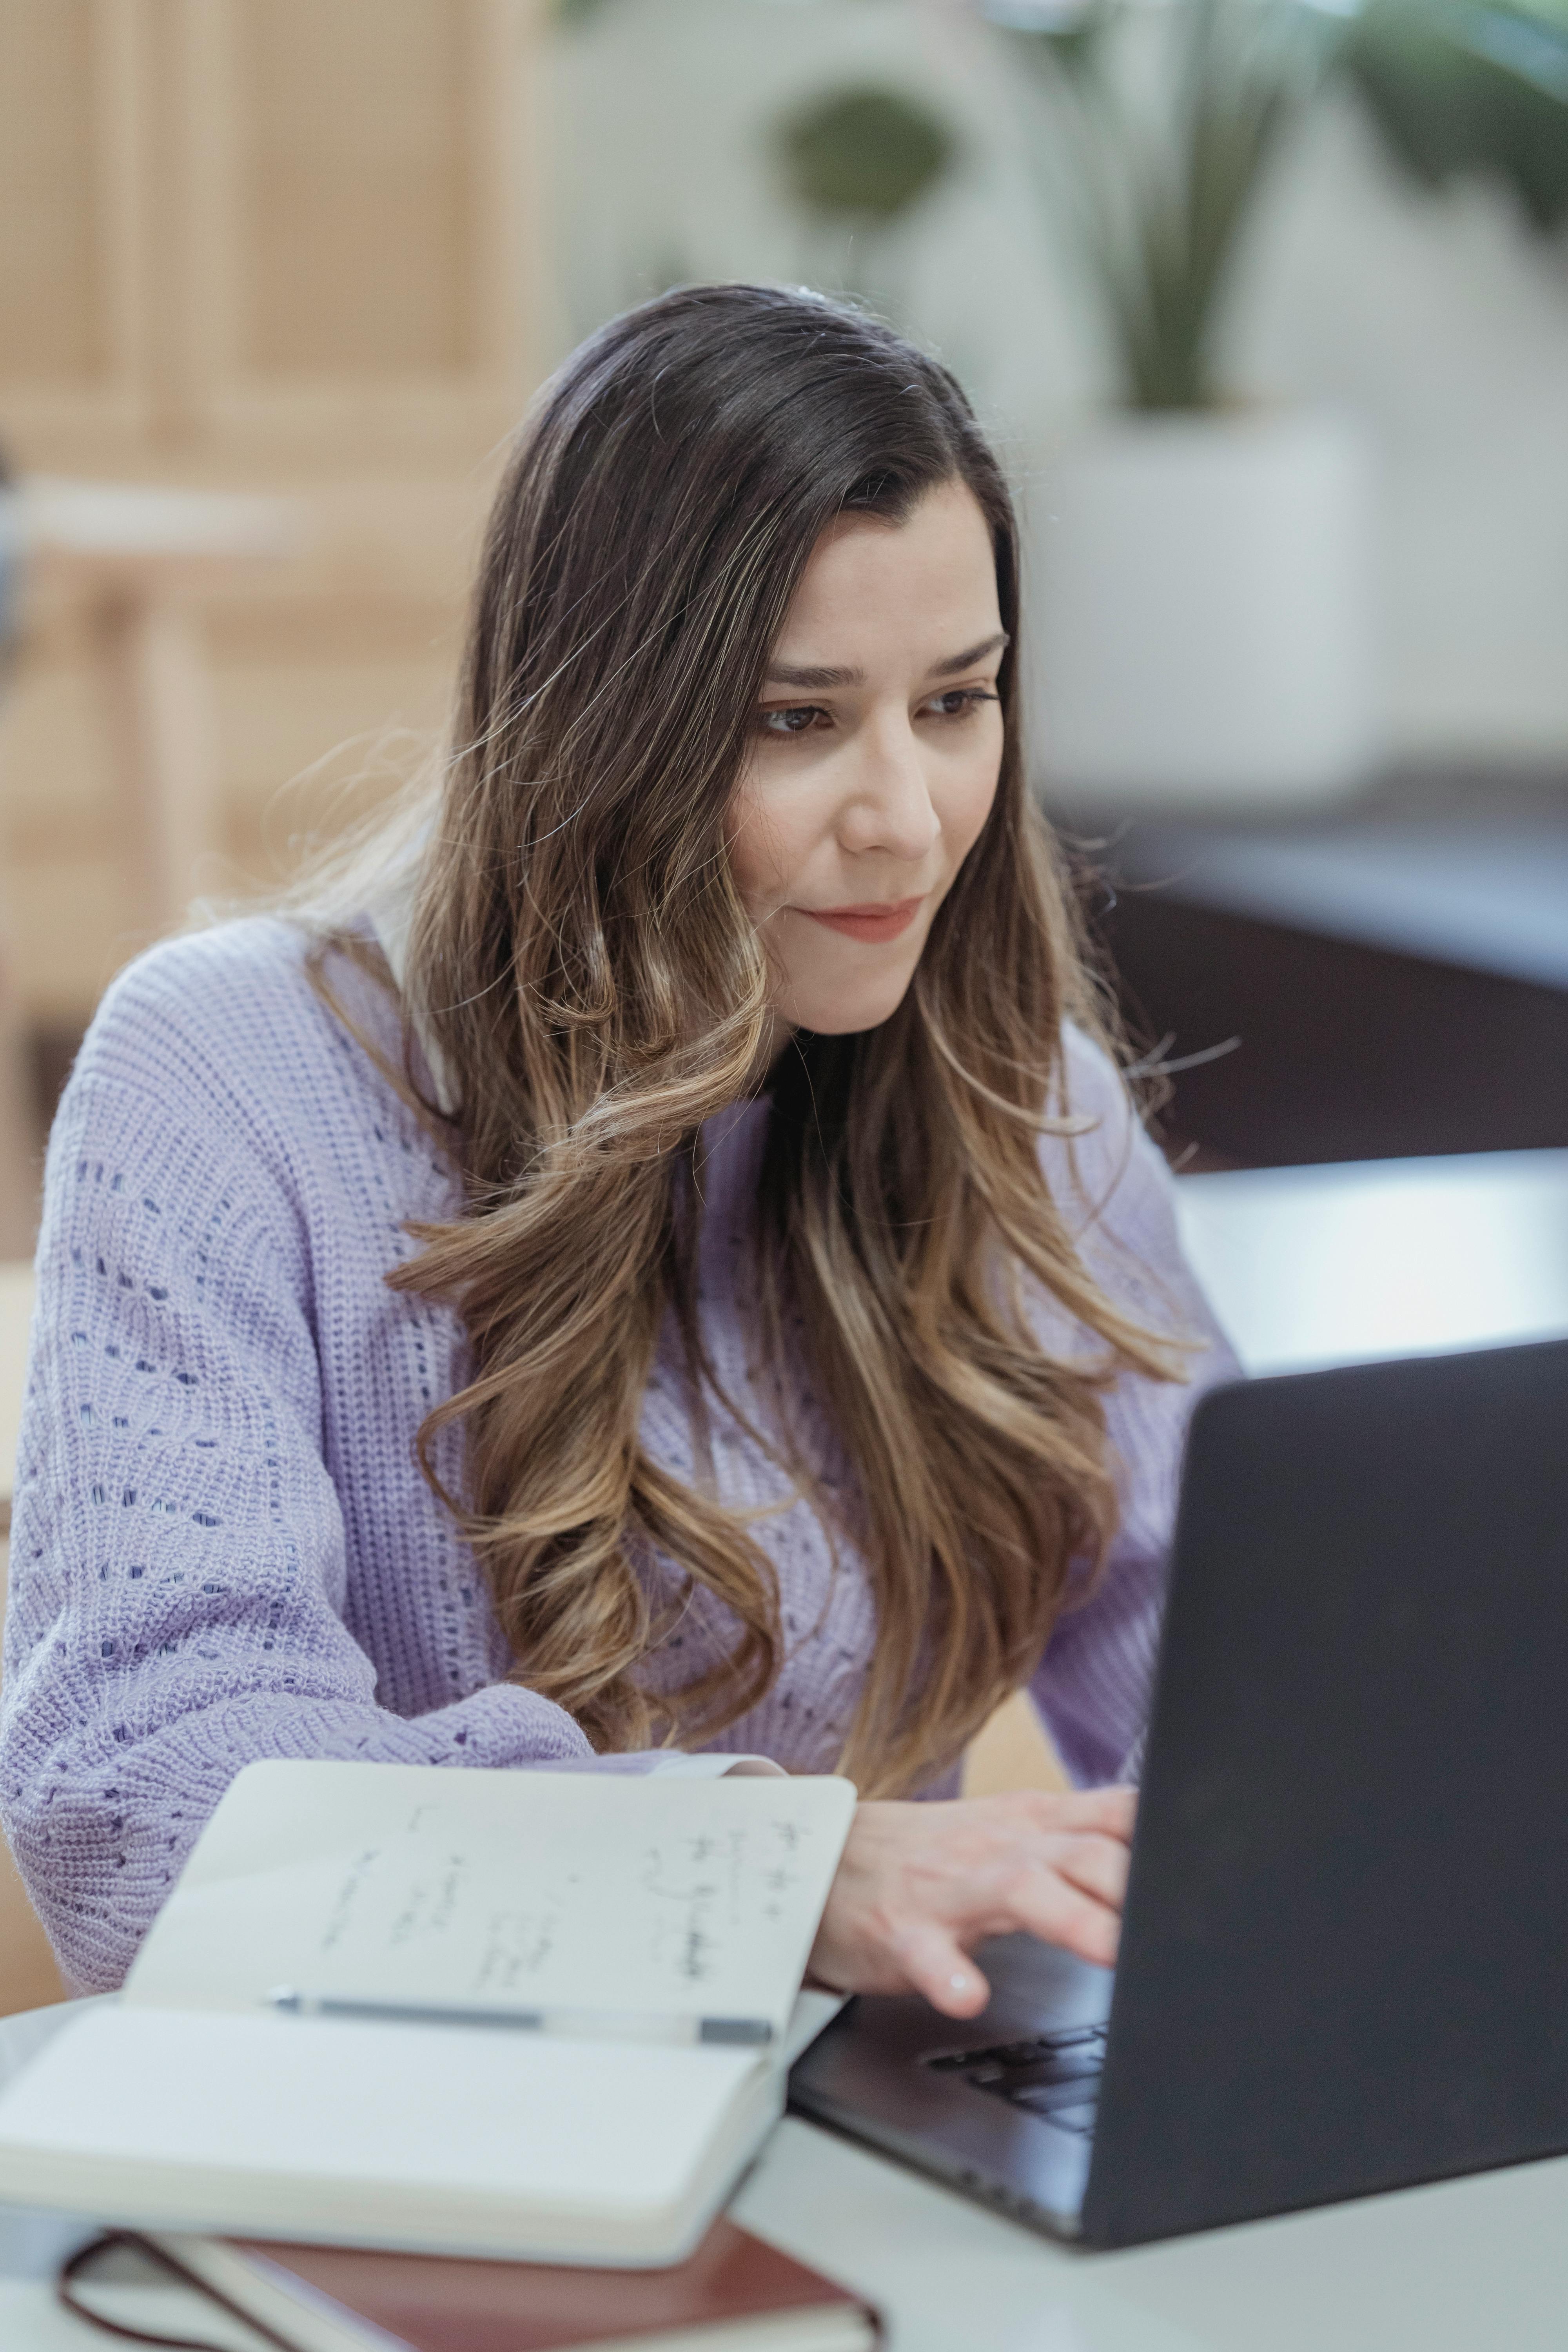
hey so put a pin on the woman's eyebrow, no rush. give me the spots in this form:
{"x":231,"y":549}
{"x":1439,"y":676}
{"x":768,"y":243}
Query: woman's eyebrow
{"x":811,"y":674}
{"x":955,"y":662}
{"x":820,"y":677}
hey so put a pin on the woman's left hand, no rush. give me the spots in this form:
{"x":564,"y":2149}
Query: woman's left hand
{"x":917,"y":1885}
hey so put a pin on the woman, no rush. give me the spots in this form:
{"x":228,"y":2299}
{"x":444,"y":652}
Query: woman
{"x":649,"y":1265}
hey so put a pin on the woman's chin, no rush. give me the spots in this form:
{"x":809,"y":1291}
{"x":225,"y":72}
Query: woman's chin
{"x":841,"y":1013}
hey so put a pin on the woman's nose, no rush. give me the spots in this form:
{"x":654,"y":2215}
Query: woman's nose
{"x":888,"y":804}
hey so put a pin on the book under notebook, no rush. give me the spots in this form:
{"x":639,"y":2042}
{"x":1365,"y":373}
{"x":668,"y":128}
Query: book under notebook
{"x":198,"y":2102}
{"x":733,"y":2294}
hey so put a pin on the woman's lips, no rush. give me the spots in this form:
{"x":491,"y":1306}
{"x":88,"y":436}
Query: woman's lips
{"x":873,"y":923}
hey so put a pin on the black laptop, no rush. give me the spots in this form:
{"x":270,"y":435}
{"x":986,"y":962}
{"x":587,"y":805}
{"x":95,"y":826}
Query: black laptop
{"x":1344,"y":1956}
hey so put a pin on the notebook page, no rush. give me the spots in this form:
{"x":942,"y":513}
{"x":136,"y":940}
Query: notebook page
{"x":501,"y":1890}
{"x":312,"y":2125}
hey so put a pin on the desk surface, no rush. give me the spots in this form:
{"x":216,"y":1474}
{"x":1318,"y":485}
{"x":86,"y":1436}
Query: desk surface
{"x":1354,"y":1260}
{"x":1463,"y":2266}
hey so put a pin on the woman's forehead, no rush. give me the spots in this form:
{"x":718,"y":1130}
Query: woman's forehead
{"x":926,"y":585}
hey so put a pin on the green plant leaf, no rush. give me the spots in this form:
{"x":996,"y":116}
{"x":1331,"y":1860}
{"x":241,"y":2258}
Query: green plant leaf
{"x":1159,"y":159}
{"x":863,"y":152}
{"x":572,"y":13}
{"x":1458,"y":88}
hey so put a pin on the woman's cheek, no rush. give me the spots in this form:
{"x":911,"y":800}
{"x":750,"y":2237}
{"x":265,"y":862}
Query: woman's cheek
{"x":756,"y":854}
{"x":973,"y":802}
{"x":773,"y":839}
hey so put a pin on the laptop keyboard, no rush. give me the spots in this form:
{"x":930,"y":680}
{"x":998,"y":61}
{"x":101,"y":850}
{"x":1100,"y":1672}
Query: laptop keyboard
{"x":1052,"y":2074}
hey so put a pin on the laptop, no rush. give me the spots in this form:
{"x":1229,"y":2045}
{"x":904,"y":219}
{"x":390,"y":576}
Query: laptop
{"x":1344,"y":1954}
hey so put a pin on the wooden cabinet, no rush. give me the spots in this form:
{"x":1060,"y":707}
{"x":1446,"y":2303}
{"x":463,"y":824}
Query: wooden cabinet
{"x":261,"y":244}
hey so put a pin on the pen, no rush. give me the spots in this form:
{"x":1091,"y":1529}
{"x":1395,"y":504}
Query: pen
{"x":588,"y":2024}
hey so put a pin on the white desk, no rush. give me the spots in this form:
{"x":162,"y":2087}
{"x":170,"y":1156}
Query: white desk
{"x":1477,"y":2265}
{"x":1359,"y":1259}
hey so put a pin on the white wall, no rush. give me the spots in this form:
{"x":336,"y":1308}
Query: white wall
{"x":1440,"y":318}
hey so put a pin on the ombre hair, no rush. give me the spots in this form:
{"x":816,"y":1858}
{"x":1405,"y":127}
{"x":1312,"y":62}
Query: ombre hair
{"x":582,"y":959}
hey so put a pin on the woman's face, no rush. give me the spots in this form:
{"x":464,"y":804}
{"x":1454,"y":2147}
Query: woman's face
{"x":874,"y":760}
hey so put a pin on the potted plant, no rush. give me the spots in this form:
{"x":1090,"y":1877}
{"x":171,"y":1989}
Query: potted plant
{"x":1208,"y":631}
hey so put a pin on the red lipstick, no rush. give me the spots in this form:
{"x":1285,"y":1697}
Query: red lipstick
{"x":874,"y":923}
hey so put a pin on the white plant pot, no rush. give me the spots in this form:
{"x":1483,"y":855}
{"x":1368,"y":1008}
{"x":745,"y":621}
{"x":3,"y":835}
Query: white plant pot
{"x":1205,"y":631}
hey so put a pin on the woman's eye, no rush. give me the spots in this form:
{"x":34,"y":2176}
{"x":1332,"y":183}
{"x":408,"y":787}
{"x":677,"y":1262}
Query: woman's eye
{"x":961,"y":701}
{"x":796,"y":720}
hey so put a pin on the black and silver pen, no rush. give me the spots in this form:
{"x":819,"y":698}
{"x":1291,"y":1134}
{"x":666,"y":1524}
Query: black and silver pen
{"x":586,"y":2024}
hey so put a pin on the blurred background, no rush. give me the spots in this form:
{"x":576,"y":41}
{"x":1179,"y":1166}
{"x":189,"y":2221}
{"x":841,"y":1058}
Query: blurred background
{"x":1266,"y":305}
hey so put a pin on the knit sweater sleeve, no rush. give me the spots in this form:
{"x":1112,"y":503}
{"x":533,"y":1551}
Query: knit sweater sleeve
{"x":178,"y":1555}
{"x":1094,"y":1683}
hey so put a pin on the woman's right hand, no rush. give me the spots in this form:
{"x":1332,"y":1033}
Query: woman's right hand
{"x":918,"y":1886}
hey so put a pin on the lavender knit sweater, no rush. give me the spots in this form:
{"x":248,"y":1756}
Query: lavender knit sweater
{"x":222,"y":1547}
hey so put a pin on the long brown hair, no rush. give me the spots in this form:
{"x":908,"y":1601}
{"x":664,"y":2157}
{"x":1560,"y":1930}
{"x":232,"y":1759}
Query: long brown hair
{"x":586,"y":966}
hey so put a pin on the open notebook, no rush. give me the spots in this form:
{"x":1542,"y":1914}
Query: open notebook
{"x":274,"y":2068}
